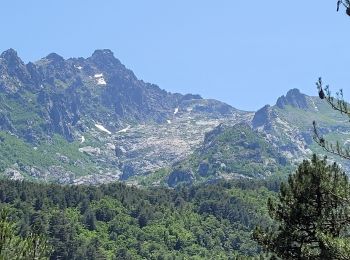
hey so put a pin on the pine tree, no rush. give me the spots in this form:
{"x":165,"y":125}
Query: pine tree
{"x":339,"y":104}
{"x":312,"y":212}
{"x":13,"y":246}
{"x":338,"y":247}
{"x":90,"y":220}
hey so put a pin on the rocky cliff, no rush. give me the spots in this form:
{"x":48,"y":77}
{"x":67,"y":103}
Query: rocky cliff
{"x":91,"y":120}
{"x":120,"y":125}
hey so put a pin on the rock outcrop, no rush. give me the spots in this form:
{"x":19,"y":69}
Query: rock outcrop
{"x":293,"y":98}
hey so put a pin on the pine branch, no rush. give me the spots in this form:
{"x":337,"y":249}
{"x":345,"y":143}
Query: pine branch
{"x":338,"y":103}
{"x":330,"y":147}
{"x":346,"y":4}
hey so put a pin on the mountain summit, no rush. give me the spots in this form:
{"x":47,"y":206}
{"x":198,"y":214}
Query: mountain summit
{"x":81,"y":91}
{"x":94,"y":106}
{"x":91,"y":120}
{"x":293,"y":98}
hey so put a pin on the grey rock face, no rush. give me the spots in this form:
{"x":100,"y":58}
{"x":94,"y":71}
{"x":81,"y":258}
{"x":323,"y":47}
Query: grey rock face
{"x":128,"y":171}
{"x":263,"y":117}
{"x":124,"y":127}
{"x":90,"y":150}
{"x":13,"y":72}
{"x":293,"y":98}
{"x":142,"y":128}
{"x":97,"y":89}
{"x":5,"y":123}
{"x":13,"y":174}
{"x":180,"y":176}
{"x":203,"y":169}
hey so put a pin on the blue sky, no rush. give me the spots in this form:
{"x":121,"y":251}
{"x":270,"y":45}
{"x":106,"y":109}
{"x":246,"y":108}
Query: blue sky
{"x":246,"y":53}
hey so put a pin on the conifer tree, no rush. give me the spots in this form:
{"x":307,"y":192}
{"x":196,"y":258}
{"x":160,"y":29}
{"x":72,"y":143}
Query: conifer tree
{"x":13,"y":246}
{"x":312,"y":213}
{"x":339,"y":104}
{"x":338,"y":247}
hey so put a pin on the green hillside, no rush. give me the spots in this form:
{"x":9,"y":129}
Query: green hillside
{"x":115,"y":221}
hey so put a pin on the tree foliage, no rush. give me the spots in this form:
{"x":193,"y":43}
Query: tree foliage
{"x":344,"y":3}
{"x":339,"y":104}
{"x":312,"y":212}
{"x":115,"y":221}
{"x":12,"y":246}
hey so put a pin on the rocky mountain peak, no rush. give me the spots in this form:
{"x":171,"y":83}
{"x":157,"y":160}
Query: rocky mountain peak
{"x":262,"y":117}
{"x":11,"y":59}
{"x":103,"y":53}
{"x":9,"y":55}
{"x":105,"y":59}
{"x":13,"y":71}
{"x":55,"y":58}
{"x":191,"y":97}
{"x":293,"y":98}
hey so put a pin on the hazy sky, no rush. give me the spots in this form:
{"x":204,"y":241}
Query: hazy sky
{"x":246,"y":53}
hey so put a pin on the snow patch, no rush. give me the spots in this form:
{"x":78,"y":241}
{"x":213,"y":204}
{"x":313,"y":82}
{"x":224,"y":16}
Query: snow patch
{"x":124,"y":130}
{"x":82,"y":139}
{"x":100,"y":79}
{"x":90,"y":150}
{"x":98,"y":76}
{"x":176,"y":111}
{"x":168,"y":121}
{"x":78,"y":67}
{"x":313,"y":102}
{"x":102,"y":128}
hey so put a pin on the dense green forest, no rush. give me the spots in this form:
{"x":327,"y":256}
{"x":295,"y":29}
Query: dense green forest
{"x":116,"y":221}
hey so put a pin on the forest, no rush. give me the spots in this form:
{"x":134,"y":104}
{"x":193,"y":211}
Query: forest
{"x":115,"y":221}
{"x":269,"y":215}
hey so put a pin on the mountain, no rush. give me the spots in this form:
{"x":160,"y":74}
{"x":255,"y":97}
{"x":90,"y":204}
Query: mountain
{"x":230,"y":152}
{"x":273,"y":142}
{"x":288,"y":125}
{"x":91,"y":120}
{"x":71,"y":94}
